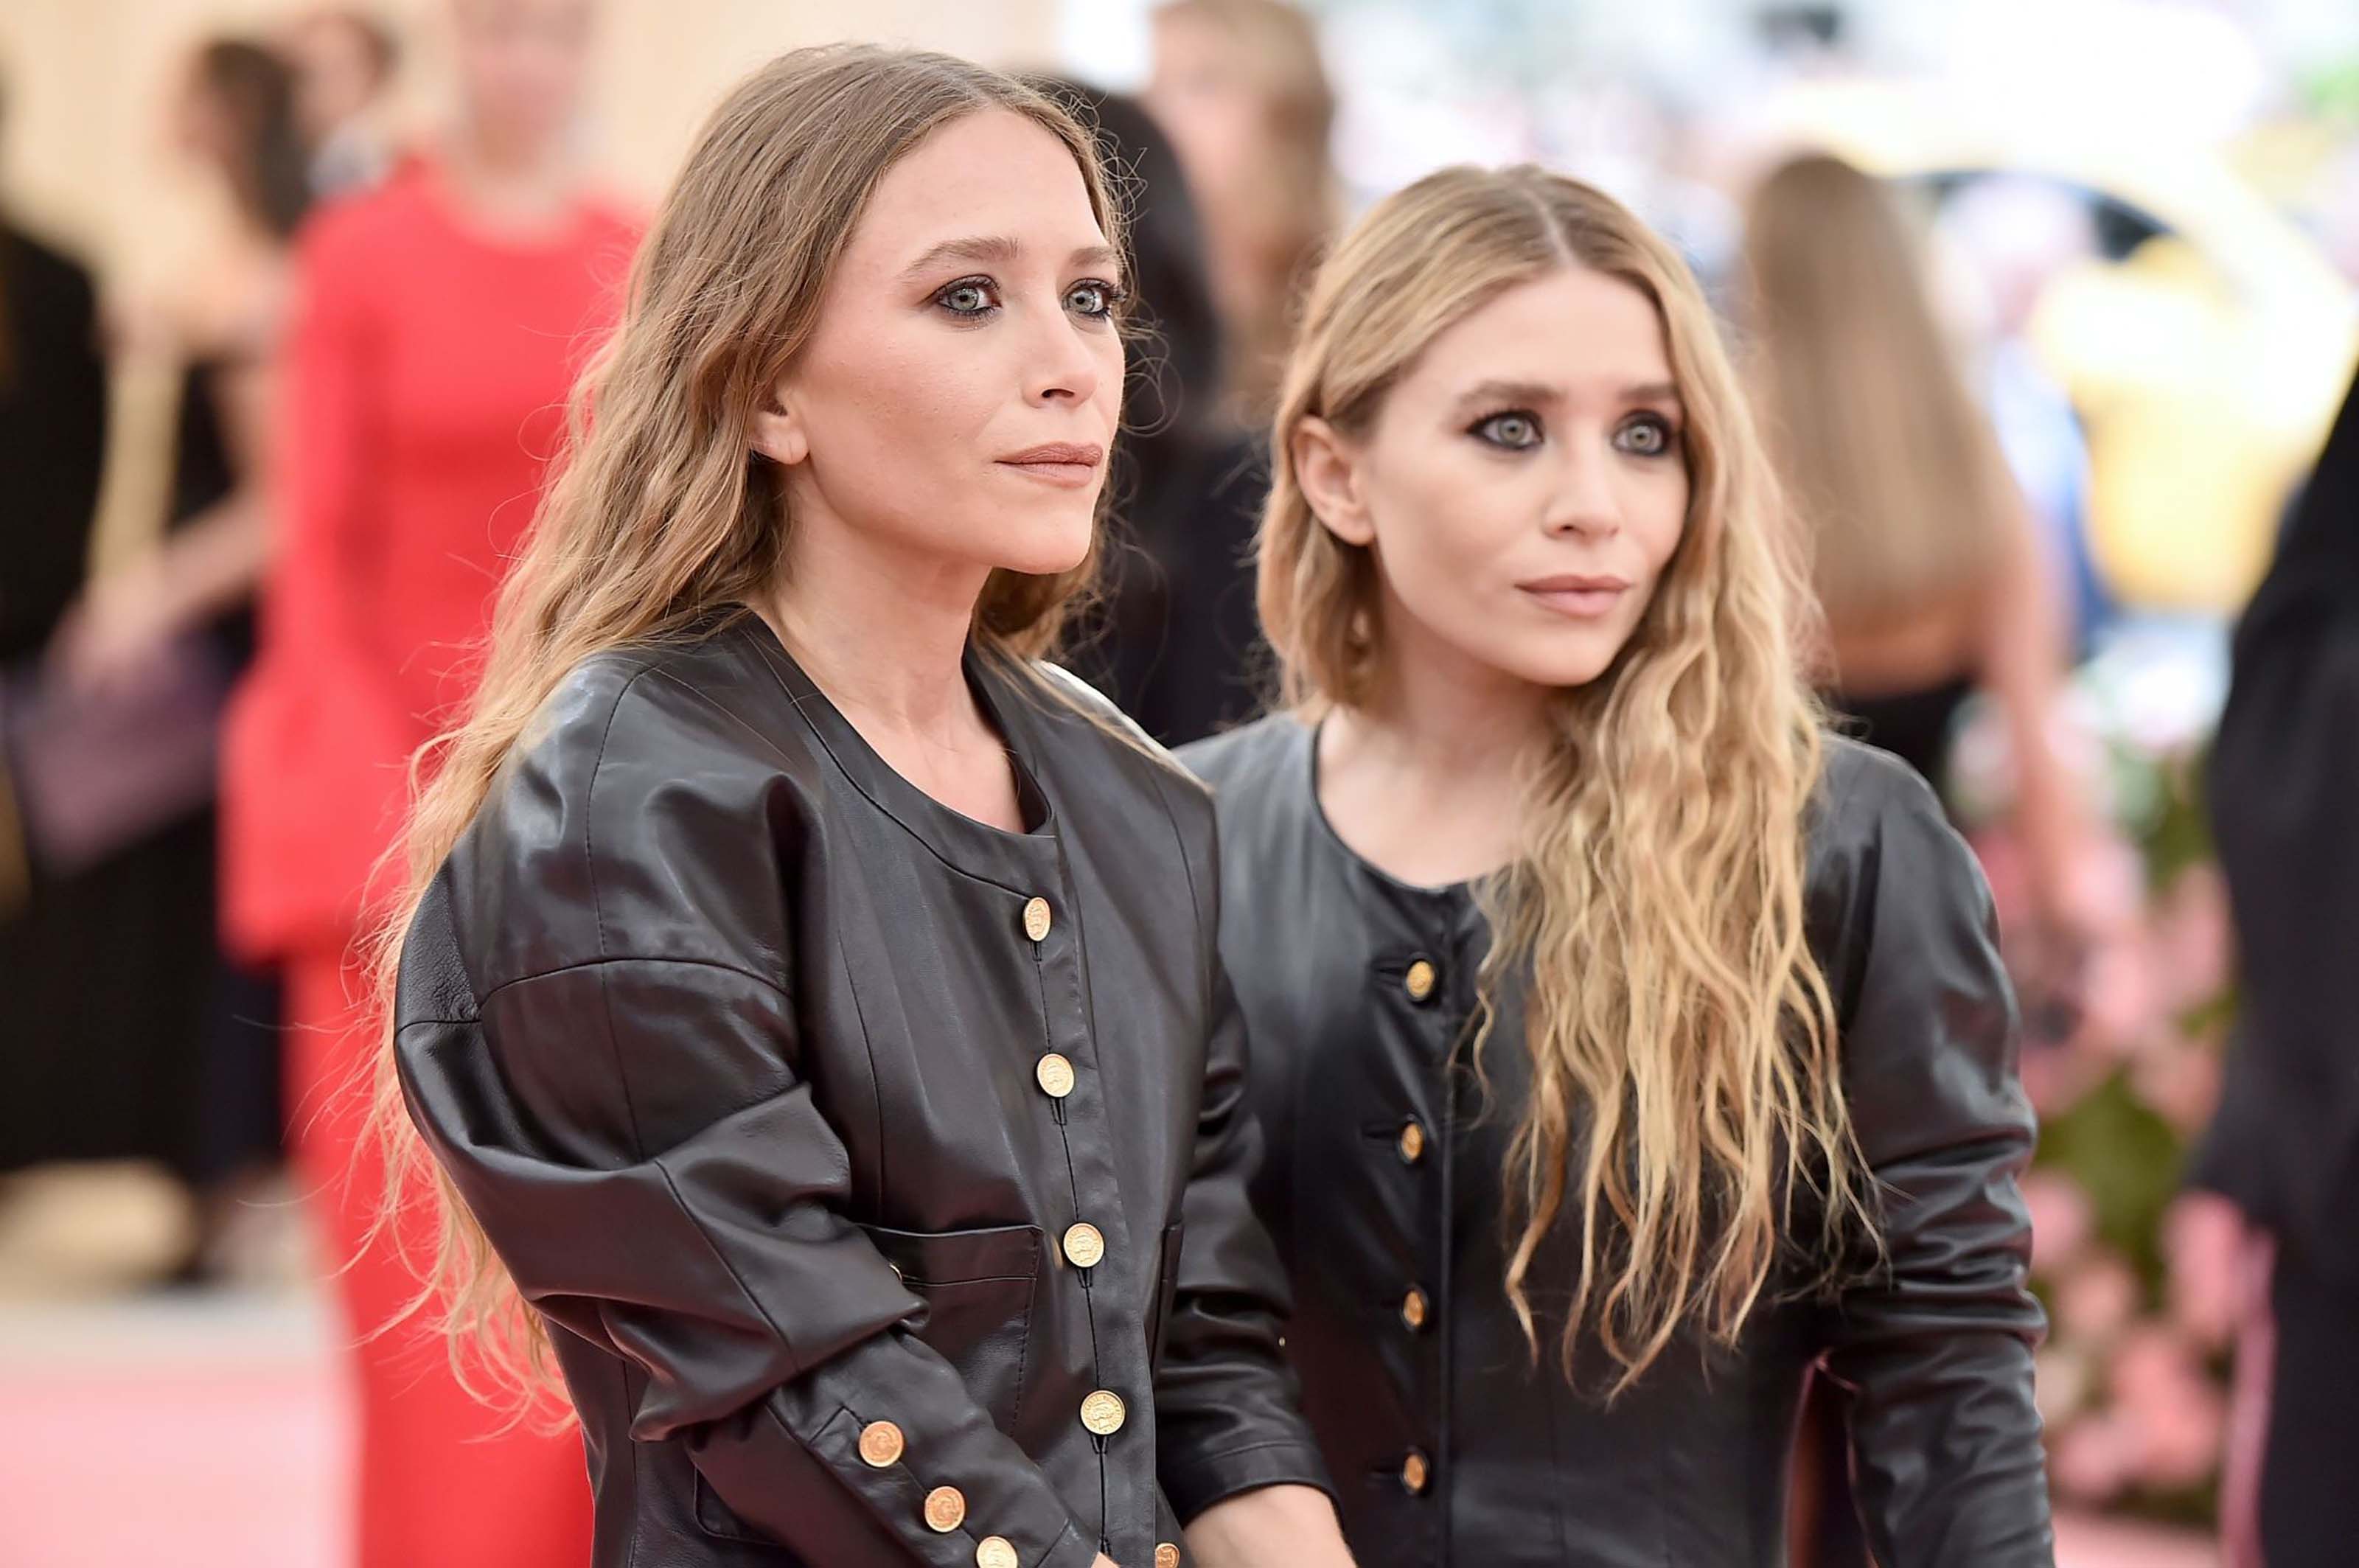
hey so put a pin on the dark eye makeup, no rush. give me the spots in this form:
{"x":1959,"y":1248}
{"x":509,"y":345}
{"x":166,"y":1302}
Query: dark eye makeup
{"x":1521,"y":429}
{"x":977,"y":298}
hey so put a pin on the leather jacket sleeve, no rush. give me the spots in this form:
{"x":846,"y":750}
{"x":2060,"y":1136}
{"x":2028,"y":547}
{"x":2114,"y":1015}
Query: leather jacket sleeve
{"x":619,"y":1102}
{"x":1935,"y":1343}
{"x":1226,"y":1400}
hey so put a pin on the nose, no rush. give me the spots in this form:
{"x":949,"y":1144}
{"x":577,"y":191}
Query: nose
{"x":1059,"y":366}
{"x":1584,"y":502}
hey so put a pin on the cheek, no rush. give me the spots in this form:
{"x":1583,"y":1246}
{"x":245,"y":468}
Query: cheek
{"x":1657,"y":515}
{"x":1444,"y":518}
{"x":892,"y":407}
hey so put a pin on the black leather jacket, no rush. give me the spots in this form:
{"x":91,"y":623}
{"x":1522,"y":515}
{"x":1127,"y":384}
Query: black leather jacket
{"x":1382,"y":1186}
{"x":779,"y":1088}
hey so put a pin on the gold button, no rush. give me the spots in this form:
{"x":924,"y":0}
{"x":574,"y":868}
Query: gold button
{"x":1166,"y":1555}
{"x":1413,"y":1308}
{"x":1418,"y":980}
{"x":993,"y":1551}
{"x":1104,"y":1413}
{"x":945,"y":1509}
{"x":881,"y":1444}
{"x":1414,"y":1474}
{"x":1084,"y":1246}
{"x":1412,"y":1142}
{"x":1037,"y":920}
{"x":1056,"y":1076}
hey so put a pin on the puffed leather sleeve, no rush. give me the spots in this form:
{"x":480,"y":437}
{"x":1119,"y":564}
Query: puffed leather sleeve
{"x":1227,"y":1404}
{"x":597,"y":1036}
{"x":1935,"y":1343}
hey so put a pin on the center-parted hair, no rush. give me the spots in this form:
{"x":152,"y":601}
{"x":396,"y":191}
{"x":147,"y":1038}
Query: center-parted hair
{"x":1686,"y":1104}
{"x":661,"y":512}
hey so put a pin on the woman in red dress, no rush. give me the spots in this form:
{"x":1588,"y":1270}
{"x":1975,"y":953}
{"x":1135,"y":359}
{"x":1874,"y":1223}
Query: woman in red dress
{"x":439,"y":323}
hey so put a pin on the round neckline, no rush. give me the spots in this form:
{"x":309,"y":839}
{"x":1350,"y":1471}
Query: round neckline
{"x":1455,"y":893}
{"x":958,"y":837}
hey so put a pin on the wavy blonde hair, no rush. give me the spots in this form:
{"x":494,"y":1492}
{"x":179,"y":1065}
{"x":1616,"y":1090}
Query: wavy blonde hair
{"x":1681,"y":1108}
{"x":662,"y":512}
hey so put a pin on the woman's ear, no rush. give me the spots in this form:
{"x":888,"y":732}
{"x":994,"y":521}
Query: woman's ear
{"x":778,"y":433}
{"x":1328,"y":473}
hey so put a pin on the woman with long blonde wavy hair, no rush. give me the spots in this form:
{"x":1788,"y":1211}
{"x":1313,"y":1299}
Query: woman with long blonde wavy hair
{"x":1625,"y":1044}
{"x":809,"y":1000}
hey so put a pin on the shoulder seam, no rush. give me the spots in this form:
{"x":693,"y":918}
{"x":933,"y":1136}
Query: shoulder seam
{"x":606,"y":960}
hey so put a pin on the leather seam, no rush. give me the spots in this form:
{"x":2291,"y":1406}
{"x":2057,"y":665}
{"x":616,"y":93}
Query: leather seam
{"x":590,"y":801}
{"x":794,"y":1361}
{"x":739,"y":970}
{"x":1195,"y":895}
{"x":598,"y":916}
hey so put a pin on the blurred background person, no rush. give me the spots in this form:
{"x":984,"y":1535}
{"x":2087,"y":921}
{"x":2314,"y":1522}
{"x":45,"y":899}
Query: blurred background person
{"x":344,"y":63}
{"x":52,"y":433}
{"x":1173,"y":638}
{"x":1932,"y":582}
{"x":53,"y":422}
{"x":142,"y":1041}
{"x":442,"y":318}
{"x":2284,"y":1145}
{"x":1239,"y":88}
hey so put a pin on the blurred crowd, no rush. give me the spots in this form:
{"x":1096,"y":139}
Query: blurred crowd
{"x":2030,"y":520}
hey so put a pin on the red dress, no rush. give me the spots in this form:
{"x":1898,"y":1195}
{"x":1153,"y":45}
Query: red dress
{"x":424,"y":392}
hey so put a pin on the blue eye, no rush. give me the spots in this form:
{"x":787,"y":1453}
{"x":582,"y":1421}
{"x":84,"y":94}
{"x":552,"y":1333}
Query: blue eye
{"x":1647,"y":435}
{"x":1095,"y":299}
{"x":1518,"y":430}
{"x":970,"y":297}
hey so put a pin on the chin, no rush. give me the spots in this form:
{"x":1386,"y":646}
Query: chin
{"x":1044,"y":546}
{"x":1568,"y":663}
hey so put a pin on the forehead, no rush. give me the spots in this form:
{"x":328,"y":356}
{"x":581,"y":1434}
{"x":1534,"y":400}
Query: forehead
{"x":992,"y":174}
{"x":1575,"y":327}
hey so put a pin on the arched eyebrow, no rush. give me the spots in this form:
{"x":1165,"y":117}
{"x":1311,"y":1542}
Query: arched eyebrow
{"x":999,"y":250}
{"x":1543,"y":394}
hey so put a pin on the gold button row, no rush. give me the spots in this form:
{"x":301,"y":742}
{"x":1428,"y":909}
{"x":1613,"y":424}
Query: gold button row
{"x":882,"y":1446}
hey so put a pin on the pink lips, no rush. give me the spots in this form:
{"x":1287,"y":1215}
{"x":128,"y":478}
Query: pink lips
{"x":1580,"y":598}
{"x":1068,"y":463}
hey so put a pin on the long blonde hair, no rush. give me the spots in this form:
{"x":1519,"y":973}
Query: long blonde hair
{"x":661,"y":511}
{"x":1893,"y":471}
{"x":1684,"y":1083}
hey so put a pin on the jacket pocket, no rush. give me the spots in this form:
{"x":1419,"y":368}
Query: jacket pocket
{"x":978,"y":1288}
{"x":1166,"y":1283}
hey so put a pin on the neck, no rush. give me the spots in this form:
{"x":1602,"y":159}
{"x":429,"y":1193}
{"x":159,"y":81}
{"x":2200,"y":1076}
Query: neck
{"x":509,"y":178}
{"x":1426,"y":778}
{"x":1438,"y":712}
{"x":883,"y":634}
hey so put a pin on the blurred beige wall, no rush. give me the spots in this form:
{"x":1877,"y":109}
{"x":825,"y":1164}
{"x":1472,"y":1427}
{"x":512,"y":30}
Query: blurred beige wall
{"x":83,"y":156}
{"x":86,"y":81}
